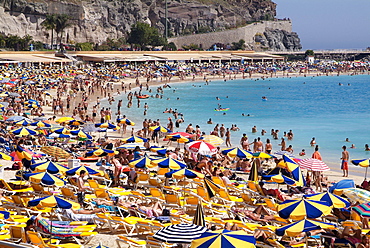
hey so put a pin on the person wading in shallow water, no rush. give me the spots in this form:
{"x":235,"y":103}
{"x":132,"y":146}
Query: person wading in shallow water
{"x":345,"y":158}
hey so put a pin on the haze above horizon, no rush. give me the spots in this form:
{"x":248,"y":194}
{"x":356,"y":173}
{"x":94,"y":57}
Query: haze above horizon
{"x":328,"y":24}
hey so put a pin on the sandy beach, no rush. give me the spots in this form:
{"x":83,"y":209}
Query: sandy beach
{"x":334,"y":174}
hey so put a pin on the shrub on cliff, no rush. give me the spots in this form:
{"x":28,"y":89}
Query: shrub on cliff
{"x":85,"y":46}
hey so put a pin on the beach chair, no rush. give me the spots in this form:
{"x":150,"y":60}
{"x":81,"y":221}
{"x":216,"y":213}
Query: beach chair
{"x":39,"y":189}
{"x":156,"y":194}
{"x":271,"y":204}
{"x":17,"y":234}
{"x":161,"y":173}
{"x":36,"y":239}
{"x":123,"y":242}
{"x":67,"y":192}
{"x":142,"y":180}
{"x":153,"y":243}
{"x":173,"y":201}
{"x":228,"y":199}
{"x":218,"y":180}
{"x":102,"y":194}
{"x":95,"y":185}
{"x":10,"y":190}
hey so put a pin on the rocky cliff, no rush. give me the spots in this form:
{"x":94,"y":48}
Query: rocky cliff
{"x":97,"y":20}
{"x":279,"y":40}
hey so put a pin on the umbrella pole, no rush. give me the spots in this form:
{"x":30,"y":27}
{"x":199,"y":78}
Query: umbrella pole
{"x":366,"y":173}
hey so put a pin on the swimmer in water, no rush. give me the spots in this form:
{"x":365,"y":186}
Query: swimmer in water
{"x":217,"y":98}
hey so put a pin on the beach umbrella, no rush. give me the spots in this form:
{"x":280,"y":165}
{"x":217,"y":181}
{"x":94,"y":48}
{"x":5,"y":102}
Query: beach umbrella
{"x":144,"y":162}
{"x":280,"y":178}
{"x":16,"y":118}
{"x":363,"y":163}
{"x":182,"y":173}
{"x":262,"y":155}
{"x":237,"y":152}
{"x":334,"y":200}
{"x":53,"y":202}
{"x":101,"y":153}
{"x":99,"y":246}
{"x":64,"y":119}
{"x":186,"y":135}
{"x":211,"y":187}
{"x":22,"y":123}
{"x":5,"y":157}
{"x":159,"y":150}
{"x":59,"y":136}
{"x":212,"y":139}
{"x":337,"y":188}
{"x":294,"y":169}
{"x":90,"y":128}
{"x":178,"y":138}
{"x":179,"y":233}
{"x":302,"y":226}
{"x":160,"y":129}
{"x":75,"y":122}
{"x":23,"y":131}
{"x":201,"y":147}
{"x":21,"y":154}
{"x":81,"y":134}
{"x":107,"y":125}
{"x":130,"y":146}
{"x":55,"y":151}
{"x":253,"y":174}
{"x":40,"y":124}
{"x":89,"y":170}
{"x":357,"y":195}
{"x":45,"y":178}
{"x":62,"y":130}
{"x":126,"y":121}
{"x":199,"y":216}
{"x":224,"y":238}
{"x":313,"y":164}
{"x":40,"y":118}
{"x":50,"y":167}
{"x":134,"y":139}
{"x":168,"y":163}
{"x":363,"y":210}
{"x":304,"y":208}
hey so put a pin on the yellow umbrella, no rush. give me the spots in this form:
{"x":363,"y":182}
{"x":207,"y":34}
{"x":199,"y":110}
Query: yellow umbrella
{"x":212,"y":139}
{"x":64,"y":119}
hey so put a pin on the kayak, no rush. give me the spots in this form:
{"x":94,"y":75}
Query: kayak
{"x":222,"y":109}
{"x":142,"y":96}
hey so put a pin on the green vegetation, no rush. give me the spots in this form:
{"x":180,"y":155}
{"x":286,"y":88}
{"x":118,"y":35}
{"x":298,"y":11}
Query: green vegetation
{"x":309,"y":53}
{"x":192,"y":47}
{"x":143,"y":35}
{"x":57,"y":23}
{"x":49,"y":24}
{"x":240,"y":45}
{"x":169,"y":47}
{"x":15,"y":42}
{"x":85,"y":46}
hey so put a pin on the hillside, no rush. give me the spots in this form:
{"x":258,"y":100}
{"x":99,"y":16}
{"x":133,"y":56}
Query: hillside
{"x":97,"y":20}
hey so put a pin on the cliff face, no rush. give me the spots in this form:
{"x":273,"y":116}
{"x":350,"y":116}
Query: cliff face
{"x":97,"y":20}
{"x":280,"y":40}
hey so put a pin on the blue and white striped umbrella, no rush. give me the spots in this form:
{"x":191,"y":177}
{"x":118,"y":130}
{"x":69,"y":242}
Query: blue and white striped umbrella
{"x":179,"y":233}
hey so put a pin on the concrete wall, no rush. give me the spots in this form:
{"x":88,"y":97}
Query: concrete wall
{"x":246,"y":33}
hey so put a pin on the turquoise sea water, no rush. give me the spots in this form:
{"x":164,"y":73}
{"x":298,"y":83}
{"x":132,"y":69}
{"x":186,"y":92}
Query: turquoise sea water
{"x":310,"y":106}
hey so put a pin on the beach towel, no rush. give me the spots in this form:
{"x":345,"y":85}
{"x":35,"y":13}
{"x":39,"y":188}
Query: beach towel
{"x":61,"y":232}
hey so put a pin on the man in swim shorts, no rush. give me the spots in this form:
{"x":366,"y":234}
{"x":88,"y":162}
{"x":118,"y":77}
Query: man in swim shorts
{"x":345,"y":158}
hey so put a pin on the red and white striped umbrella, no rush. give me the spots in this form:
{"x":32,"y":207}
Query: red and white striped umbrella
{"x":313,"y":164}
{"x":201,"y":147}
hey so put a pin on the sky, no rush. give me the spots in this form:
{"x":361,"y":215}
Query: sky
{"x":328,"y":24}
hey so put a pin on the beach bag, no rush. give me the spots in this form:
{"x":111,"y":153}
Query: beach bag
{"x":81,"y":198}
{"x":165,"y":212}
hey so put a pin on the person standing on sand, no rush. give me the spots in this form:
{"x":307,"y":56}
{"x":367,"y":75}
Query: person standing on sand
{"x":345,"y":158}
{"x":317,"y":154}
{"x":227,"y":135}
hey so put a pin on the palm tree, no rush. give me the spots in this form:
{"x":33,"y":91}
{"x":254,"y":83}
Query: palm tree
{"x":61,"y":24}
{"x":49,"y":24}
